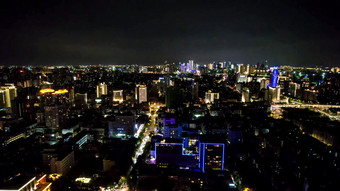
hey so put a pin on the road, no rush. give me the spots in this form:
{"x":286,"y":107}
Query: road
{"x":315,"y":107}
{"x":301,"y":105}
{"x":145,"y":138}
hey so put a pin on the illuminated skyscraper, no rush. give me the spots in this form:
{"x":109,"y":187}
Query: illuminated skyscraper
{"x":101,"y":89}
{"x":141,"y":93}
{"x":172,"y":131}
{"x":210,"y":97}
{"x":55,"y":116}
{"x":118,"y":96}
{"x":275,"y":77}
{"x":274,"y":93}
{"x":212,"y":156}
{"x":7,"y":94}
{"x":245,"y":95}
{"x":192,"y":65}
{"x":239,"y":68}
{"x":122,"y":125}
{"x":81,"y":100}
{"x":194,"y":90}
{"x":263,"y":84}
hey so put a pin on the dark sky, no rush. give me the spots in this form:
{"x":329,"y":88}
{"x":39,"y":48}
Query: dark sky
{"x":301,"y":33}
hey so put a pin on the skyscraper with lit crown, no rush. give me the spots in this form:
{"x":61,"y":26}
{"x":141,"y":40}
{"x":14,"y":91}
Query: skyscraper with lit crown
{"x":101,"y":89}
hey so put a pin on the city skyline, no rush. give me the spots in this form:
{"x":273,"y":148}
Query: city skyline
{"x":119,"y":95}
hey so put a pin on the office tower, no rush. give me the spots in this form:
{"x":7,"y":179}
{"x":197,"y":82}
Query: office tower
{"x":239,"y":68}
{"x":198,"y":154}
{"x":81,"y":101}
{"x":194,"y":90}
{"x":210,"y":66}
{"x":182,"y":67}
{"x":61,"y":163}
{"x":101,"y":89}
{"x":274,"y":77}
{"x":247,"y":69}
{"x":274,"y":90}
{"x":164,"y":82}
{"x":4,"y":94}
{"x":245,"y":95}
{"x":55,"y":116}
{"x":292,"y":89}
{"x":172,"y":131}
{"x":118,"y":96}
{"x":46,"y":96}
{"x":242,"y":78}
{"x":7,"y":95}
{"x":212,"y":156}
{"x":72,"y":95}
{"x":122,"y":125}
{"x":263,"y":84}
{"x":210,"y":97}
{"x":173,"y":97}
{"x":192,"y":65}
{"x":274,"y":93}
{"x":172,"y":153}
{"x":61,"y":96}
{"x":141,"y":93}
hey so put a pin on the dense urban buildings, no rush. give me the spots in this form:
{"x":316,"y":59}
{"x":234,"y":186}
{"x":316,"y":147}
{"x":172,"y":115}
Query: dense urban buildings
{"x":154,"y":128}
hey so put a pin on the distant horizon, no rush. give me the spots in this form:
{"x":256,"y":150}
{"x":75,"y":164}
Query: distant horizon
{"x":111,"y":64}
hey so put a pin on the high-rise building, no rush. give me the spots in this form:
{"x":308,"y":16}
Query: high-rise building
{"x":203,"y":156}
{"x":172,"y":131}
{"x":239,"y":68}
{"x":118,"y":96}
{"x":101,"y":89}
{"x":192,"y":65}
{"x":141,"y":93}
{"x":194,"y":90}
{"x":274,"y":77}
{"x":274,"y":93}
{"x":263,"y":84}
{"x":122,"y":125}
{"x":210,"y":66}
{"x":212,"y":156}
{"x":210,"y":97}
{"x":172,"y":153}
{"x":7,"y":95}
{"x":62,"y":163}
{"x":245,"y":95}
{"x":292,"y":89}
{"x":81,"y":101}
{"x":173,"y":97}
{"x":55,"y":116}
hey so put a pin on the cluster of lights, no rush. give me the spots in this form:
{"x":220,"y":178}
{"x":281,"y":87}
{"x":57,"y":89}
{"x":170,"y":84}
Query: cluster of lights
{"x":83,"y":180}
{"x":54,"y":176}
{"x":49,"y":90}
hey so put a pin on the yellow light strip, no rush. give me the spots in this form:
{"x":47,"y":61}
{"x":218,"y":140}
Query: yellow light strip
{"x":41,"y":178}
{"x":47,"y":90}
{"x":27,"y":184}
{"x":61,"y":91}
{"x":47,"y":186}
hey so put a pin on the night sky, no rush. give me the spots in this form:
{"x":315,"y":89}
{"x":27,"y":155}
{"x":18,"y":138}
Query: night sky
{"x":303,"y":33}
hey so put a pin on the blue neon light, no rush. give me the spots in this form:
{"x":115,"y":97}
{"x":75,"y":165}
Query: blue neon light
{"x":201,"y":146}
{"x":199,"y":156}
{"x":275,"y":77}
{"x":203,"y":164}
{"x":223,"y":158}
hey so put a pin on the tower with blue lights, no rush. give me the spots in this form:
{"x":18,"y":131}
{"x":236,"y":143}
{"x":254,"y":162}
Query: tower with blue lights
{"x":274,"y":77}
